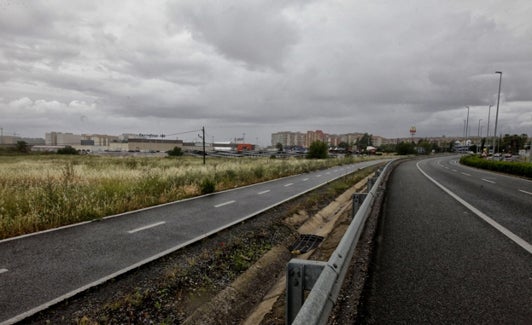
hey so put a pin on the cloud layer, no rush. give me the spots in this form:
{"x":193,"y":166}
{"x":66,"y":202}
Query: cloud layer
{"x":258,"y":67}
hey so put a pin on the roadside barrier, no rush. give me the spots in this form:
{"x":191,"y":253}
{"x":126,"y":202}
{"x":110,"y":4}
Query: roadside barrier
{"x":325,"y":279}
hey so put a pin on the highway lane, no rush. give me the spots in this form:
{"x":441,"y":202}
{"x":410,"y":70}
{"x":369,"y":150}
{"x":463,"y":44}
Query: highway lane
{"x":505,"y":199}
{"x":44,"y":268}
{"x":437,"y":261}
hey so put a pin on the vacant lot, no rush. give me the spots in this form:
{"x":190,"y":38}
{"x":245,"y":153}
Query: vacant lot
{"x":46,"y":191}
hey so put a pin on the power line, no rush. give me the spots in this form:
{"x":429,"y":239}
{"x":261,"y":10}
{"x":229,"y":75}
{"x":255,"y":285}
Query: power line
{"x":185,"y":132}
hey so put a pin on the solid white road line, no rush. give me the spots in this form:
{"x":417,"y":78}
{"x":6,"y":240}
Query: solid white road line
{"x":3,"y":271}
{"x":147,"y":227}
{"x":529,"y":193}
{"x":289,"y":184}
{"x":518,"y":240}
{"x":263,"y":192}
{"x":225,"y":203}
{"x":487,"y":180}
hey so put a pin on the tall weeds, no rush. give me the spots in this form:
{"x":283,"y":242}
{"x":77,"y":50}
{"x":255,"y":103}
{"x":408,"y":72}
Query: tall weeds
{"x":42,"y":192}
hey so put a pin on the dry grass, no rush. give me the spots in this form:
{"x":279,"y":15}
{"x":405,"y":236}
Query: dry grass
{"x":43,"y":192}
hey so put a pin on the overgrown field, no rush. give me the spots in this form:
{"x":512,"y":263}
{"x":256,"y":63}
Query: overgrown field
{"x":509,"y":167}
{"x":43,"y":192}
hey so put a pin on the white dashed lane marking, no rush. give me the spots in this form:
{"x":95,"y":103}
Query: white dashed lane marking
{"x":263,"y":192}
{"x":289,"y":184}
{"x":225,"y":203}
{"x":487,"y":180}
{"x":526,"y":192}
{"x":3,"y":271}
{"x":146,"y":227}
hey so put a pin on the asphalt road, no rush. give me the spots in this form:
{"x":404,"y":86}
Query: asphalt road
{"x":45,"y":268}
{"x":441,"y":261}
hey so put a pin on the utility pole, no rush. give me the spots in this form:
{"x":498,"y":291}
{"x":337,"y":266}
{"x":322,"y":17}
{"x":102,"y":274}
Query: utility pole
{"x":467,"y":125}
{"x":203,"y":138}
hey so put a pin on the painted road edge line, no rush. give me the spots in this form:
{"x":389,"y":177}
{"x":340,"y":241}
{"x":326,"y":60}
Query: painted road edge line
{"x":518,"y":240}
{"x":146,"y":227}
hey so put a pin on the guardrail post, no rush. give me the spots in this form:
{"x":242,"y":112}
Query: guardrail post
{"x":369,"y":184}
{"x":358,"y":198}
{"x":301,"y":275}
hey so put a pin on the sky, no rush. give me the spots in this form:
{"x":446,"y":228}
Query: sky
{"x":255,"y":67}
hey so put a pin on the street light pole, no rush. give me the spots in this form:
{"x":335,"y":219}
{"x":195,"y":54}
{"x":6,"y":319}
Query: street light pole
{"x":488,"y":130}
{"x":467,"y":125}
{"x":497,"y":114}
{"x":478,"y":135}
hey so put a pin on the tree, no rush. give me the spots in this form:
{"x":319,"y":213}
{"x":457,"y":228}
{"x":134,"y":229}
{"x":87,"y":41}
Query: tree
{"x":427,"y":146}
{"x":387,"y":148}
{"x":176,"y":152}
{"x":67,"y":150}
{"x":405,"y":148}
{"x":279,"y":147}
{"x":318,"y":150}
{"x":22,"y":146}
{"x":365,"y":141}
{"x":344,"y":145}
{"x":512,"y":143}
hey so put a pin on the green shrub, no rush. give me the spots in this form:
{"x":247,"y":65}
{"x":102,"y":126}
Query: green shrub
{"x":207,"y":186}
{"x":508,"y":167}
{"x":176,"y":152}
{"x":68,"y":150}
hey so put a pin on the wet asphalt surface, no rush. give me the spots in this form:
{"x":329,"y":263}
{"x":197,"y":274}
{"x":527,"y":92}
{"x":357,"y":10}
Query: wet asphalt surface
{"x":438,"y":263}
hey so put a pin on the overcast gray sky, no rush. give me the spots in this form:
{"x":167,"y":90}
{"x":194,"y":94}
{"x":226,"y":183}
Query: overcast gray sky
{"x":255,"y":67}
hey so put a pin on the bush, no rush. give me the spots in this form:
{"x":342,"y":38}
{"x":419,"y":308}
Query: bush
{"x":176,"y":152}
{"x":68,"y":150}
{"x":508,"y":167}
{"x":405,"y":148}
{"x":207,"y":186}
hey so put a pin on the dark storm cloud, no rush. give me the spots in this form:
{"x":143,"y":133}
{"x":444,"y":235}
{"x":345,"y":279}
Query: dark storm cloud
{"x":253,"y":32}
{"x":264,"y":66}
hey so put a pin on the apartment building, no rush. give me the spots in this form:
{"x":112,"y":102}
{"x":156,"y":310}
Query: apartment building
{"x":62,"y":139}
{"x":287,"y":138}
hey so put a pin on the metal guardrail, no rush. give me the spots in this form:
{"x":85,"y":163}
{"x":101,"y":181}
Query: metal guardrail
{"x":325,"y":279}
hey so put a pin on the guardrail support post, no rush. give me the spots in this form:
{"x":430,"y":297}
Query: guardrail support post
{"x":358,"y":198}
{"x":369,"y":184}
{"x":301,"y":275}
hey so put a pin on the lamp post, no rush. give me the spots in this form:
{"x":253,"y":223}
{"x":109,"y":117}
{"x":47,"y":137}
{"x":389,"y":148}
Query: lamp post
{"x":478,"y":134}
{"x":488,"y":129}
{"x":497,"y":114}
{"x":467,"y":125}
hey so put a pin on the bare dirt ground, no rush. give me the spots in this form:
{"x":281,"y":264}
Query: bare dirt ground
{"x":234,"y":277}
